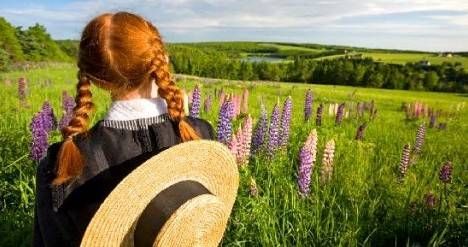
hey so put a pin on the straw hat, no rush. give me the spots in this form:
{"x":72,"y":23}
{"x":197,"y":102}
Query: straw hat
{"x":181,"y":197}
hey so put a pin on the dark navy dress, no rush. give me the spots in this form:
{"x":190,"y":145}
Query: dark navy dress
{"x":111,"y":149}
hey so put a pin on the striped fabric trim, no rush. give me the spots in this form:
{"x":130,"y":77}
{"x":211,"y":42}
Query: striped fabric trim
{"x":135,"y":124}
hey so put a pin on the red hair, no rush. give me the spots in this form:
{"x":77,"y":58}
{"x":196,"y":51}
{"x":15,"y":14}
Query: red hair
{"x":118,"y":52}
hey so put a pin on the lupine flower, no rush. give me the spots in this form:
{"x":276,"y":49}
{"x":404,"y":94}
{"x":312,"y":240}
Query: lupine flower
{"x":39,"y":142}
{"x":318,"y":121}
{"x":420,"y":135}
{"x":307,"y":157}
{"x":309,"y":98}
{"x":273,"y":130}
{"x":246,"y":140}
{"x":404,"y":161}
{"x":331,"y":109}
{"x":360,"y":132}
{"x":432,"y":120}
{"x":236,"y":104}
{"x":445,"y":174}
{"x":231,"y":107}
{"x":339,"y":114}
{"x":68,"y":103}
{"x":222,"y":96}
{"x":50,"y":121}
{"x":327,"y":162}
{"x":245,"y":101}
{"x":285,"y":122}
{"x":207,"y":104}
{"x":430,"y":200}
{"x":22,"y":89}
{"x":253,"y":190}
{"x":186,"y":103}
{"x":261,"y":128}
{"x":233,"y":145}
{"x":224,"y":129}
{"x":196,"y":102}
{"x":360,"y":109}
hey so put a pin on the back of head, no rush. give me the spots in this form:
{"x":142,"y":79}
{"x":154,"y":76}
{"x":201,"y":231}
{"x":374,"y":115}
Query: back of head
{"x":118,"y":52}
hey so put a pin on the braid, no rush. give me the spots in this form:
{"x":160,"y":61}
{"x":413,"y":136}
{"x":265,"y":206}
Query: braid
{"x":172,"y":94}
{"x":70,"y":162}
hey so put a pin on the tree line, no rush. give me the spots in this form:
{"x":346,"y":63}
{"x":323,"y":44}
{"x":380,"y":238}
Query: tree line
{"x":364,"y":72}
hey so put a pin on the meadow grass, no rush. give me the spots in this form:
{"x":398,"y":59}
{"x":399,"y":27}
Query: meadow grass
{"x":364,"y":204}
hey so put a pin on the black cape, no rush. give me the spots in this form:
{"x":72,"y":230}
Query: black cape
{"x":111,"y":149}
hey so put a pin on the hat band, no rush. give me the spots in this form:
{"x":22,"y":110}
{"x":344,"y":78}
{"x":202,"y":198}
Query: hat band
{"x":161,"y":208}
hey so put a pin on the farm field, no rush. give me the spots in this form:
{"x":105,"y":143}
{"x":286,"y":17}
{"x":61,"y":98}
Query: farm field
{"x":369,"y":198}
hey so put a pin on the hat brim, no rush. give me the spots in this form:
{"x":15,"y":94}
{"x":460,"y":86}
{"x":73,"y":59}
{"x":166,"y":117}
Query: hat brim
{"x":207,"y":162}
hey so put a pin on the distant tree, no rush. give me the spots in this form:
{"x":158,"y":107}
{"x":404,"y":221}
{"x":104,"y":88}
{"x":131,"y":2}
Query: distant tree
{"x":9,"y":43}
{"x":431,"y":80}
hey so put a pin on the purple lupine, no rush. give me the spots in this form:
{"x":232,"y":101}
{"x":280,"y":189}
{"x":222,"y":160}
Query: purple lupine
{"x":360,"y":132}
{"x":420,"y":136}
{"x":285,"y":122}
{"x":430,"y":200}
{"x":258,"y":138}
{"x":432,"y":120}
{"x":318,"y":121}
{"x":22,"y":89}
{"x":231,"y":107}
{"x":207,"y":104}
{"x":309,"y":98}
{"x":245,"y":101}
{"x":196,"y":102}
{"x":273,"y":130}
{"x":50,"y":121}
{"x":340,"y":114}
{"x":307,"y":157}
{"x":68,"y":103}
{"x":327,"y":162}
{"x":404,"y":161}
{"x":39,"y":142}
{"x":445,"y":173}
{"x":224,"y":129}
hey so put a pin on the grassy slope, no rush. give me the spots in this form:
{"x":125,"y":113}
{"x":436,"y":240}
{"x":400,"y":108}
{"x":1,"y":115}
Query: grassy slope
{"x":363,"y":204}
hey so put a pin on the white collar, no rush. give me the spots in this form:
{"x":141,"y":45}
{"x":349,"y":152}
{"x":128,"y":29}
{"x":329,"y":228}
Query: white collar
{"x":136,"y":109}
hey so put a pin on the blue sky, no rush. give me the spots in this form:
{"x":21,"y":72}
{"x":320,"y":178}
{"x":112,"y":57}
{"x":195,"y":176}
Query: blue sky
{"x":431,"y":25}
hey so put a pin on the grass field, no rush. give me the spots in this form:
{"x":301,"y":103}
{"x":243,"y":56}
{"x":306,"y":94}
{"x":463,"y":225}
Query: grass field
{"x":364,"y":204}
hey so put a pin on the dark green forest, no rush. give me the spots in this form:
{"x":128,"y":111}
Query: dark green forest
{"x":226,"y":60}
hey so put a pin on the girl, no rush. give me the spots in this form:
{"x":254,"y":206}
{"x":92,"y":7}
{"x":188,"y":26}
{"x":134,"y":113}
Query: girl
{"x":123,"y":54}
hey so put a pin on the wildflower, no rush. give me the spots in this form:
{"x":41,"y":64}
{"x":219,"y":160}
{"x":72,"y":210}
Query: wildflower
{"x":233,"y":145}
{"x":196,"y":102}
{"x":307,"y":157}
{"x":360,"y":132}
{"x":224,"y":128}
{"x":430,"y":200}
{"x":39,"y":142}
{"x":246,"y":140}
{"x":285,"y":122}
{"x":445,"y":174}
{"x":339,"y":114}
{"x":404,"y":161}
{"x":261,"y":128}
{"x":318,"y":121}
{"x":207,"y":104}
{"x":48,"y":116}
{"x":308,"y":105}
{"x":420,"y":135}
{"x":432,"y":120}
{"x":245,"y":101}
{"x":273,"y":130}
{"x":327,"y":162}
{"x":253,"y":189}
{"x":22,"y":85}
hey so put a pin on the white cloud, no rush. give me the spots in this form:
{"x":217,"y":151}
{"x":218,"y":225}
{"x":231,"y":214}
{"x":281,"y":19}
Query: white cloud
{"x":190,"y":16}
